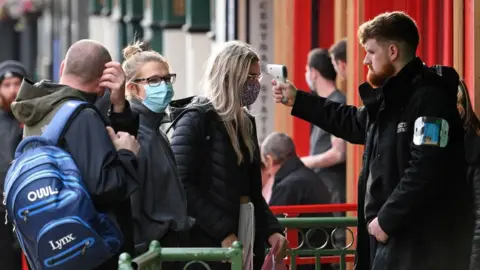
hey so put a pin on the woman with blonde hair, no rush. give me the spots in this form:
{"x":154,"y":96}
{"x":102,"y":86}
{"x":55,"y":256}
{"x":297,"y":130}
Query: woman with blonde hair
{"x":159,"y":205}
{"x":471,"y":124}
{"x":218,"y":159}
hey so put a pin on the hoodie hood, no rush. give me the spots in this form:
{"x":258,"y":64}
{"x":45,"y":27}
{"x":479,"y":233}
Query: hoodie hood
{"x":35,"y":101}
{"x":472,"y":147}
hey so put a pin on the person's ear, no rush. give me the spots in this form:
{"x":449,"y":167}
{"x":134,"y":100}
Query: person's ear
{"x":131,"y":89}
{"x":268,"y":161}
{"x":393,"y":52}
{"x":314,"y":74}
{"x":342,"y":65}
{"x":62,"y":66}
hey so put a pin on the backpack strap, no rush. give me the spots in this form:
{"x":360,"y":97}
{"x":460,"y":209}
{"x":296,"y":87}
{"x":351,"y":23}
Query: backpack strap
{"x":62,"y":119}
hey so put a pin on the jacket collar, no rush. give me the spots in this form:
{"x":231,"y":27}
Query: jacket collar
{"x":149,"y":119}
{"x":396,"y":89}
{"x":292,"y":164}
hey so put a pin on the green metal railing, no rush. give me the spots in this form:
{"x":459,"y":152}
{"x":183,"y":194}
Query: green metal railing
{"x":316,"y":253}
{"x":153,"y":258}
{"x":156,"y":255}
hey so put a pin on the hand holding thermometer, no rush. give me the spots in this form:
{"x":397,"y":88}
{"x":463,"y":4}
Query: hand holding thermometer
{"x":279,"y":74}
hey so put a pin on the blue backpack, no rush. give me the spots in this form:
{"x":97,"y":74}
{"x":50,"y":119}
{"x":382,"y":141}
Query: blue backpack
{"x":51,"y":210}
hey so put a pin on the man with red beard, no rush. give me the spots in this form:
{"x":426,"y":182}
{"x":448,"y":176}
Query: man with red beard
{"x":415,"y":209}
{"x":11,"y":75}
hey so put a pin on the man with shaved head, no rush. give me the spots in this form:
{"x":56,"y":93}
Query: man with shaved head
{"x":85,"y":61}
{"x":106,"y":157}
{"x":86,"y":64}
{"x":294,"y":184}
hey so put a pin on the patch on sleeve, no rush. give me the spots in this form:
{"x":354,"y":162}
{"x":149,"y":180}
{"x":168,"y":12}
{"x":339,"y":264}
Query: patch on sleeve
{"x":431,"y":131}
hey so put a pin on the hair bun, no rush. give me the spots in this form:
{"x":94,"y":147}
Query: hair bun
{"x":135,"y":48}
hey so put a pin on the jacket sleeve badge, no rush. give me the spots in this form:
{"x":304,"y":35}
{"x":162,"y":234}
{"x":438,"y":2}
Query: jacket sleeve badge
{"x":431,"y":131}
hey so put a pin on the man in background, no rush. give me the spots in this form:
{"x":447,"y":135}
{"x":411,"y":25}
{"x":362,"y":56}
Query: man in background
{"x":267,"y":182}
{"x":295,"y":184}
{"x":11,"y":76}
{"x":338,"y":54}
{"x":327,"y":153}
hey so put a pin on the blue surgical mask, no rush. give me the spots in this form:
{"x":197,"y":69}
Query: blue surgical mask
{"x":309,"y":81}
{"x":158,"y":97}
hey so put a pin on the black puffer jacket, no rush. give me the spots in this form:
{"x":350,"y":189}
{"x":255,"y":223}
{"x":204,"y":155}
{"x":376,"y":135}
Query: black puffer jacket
{"x":159,"y":205}
{"x":472,"y":155}
{"x":212,"y":183}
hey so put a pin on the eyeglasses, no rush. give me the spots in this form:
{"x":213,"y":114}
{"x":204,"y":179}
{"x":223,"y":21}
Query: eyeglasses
{"x":254,"y":76}
{"x":157,"y":80}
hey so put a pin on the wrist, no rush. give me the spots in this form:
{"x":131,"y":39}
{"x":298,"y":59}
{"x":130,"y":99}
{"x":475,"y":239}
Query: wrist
{"x":118,"y":108}
{"x":272,"y":237}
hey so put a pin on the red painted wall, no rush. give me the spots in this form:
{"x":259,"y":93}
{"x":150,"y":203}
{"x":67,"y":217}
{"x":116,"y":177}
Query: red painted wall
{"x":468,"y":70}
{"x":326,"y":23}
{"x":302,"y":46}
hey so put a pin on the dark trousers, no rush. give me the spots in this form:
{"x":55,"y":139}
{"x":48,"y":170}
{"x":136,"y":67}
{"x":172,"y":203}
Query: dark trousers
{"x":10,"y":257}
{"x":171,"y":239}
{"x":174,"y":240}
{"x":373,"y":248}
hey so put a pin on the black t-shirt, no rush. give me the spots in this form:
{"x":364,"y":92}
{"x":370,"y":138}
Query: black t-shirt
{"x":320,"y":142}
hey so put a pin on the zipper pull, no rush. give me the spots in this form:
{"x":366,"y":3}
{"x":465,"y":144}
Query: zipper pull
{"x":25,"y":214}
{"x":6,"y":217}
{"x":4,"y":198}
{"x":84,"y":249}
{"x":14,"y":228}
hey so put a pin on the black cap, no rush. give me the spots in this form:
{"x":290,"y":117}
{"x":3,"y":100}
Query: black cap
{"x":11,"y":68}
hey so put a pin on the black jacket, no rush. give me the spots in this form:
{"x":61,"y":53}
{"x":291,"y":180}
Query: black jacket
{"x":212,"y":184}
{"x":109,"y":175}
{"x":295,"y":184}
{"x":10,"y":135}
{"x":11,"y":131}
{"x":421,"y":189}
{"x":159,"y":205}
{"x":472,"y":155}
{"x":127,"y":121}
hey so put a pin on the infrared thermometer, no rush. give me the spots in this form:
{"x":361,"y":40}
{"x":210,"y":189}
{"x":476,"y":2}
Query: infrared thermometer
{"x":279,"y":74}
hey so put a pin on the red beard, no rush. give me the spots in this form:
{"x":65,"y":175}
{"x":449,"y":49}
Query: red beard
{"x":5,"y":102}
{"x":377,"y":78}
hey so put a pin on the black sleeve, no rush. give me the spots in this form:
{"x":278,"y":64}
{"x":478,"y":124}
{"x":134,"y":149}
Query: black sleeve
{"x":475,"y":258}
{"x":126,"y":121}
{"x":273,"y":225}
{"x":343,"y":121}
{"x":110,"y":176}
{"x":265,"y":220}
{"x":187,"y":147}
{"x":429,"y":165}
{"x":287,"y":193}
